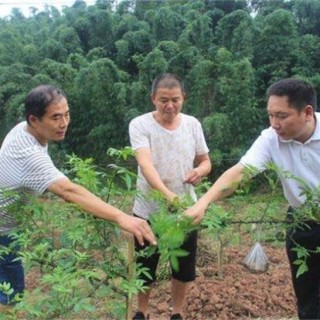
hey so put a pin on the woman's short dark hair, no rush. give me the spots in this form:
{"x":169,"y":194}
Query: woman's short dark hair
{"x":39,"y":98}
{"x":300,"y":93}
{"x":166,"y":80}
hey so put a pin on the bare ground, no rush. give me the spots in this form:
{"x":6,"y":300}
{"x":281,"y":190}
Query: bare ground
{"x":241,"y":294}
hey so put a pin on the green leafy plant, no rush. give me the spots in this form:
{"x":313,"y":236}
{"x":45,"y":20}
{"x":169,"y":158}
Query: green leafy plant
{"x":81,"y":262}
{"x":77,"y":258}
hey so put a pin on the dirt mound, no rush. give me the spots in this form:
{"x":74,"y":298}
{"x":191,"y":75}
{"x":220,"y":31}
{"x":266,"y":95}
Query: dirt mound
{"x":241,"y":294}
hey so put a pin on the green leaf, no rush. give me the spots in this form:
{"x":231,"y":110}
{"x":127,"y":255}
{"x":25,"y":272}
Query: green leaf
{"x":302,"y":269}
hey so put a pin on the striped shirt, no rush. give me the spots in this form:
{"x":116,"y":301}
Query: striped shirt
{"x":25,"y":168}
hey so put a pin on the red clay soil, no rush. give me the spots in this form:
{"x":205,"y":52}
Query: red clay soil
{"x":241,"y":294}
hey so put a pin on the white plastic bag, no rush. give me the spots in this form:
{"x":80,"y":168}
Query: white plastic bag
{"x":256,"y":260}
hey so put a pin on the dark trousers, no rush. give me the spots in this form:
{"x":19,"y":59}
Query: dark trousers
{"x":307,"y":285}
{"x":187,"y":264}
{"x":11,"y":271}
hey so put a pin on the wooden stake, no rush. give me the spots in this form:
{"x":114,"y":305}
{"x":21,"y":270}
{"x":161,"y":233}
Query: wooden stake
{"x":131,"y":275}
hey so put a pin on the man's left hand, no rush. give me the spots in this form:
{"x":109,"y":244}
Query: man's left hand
{"x":193,"y":177}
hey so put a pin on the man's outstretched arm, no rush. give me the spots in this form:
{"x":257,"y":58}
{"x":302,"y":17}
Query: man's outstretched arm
{"x":224,"y":186}
{"x":72,"y":192}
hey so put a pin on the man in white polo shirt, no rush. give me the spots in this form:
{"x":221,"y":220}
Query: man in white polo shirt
{"x":292,"y":143}
{"x":26,"y":167}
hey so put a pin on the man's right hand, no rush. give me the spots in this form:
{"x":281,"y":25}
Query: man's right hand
{"x":197,"y":211}
{"x":138,"y":227}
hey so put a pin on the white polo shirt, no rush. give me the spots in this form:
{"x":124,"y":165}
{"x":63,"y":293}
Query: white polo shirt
{"x":302,"y":160}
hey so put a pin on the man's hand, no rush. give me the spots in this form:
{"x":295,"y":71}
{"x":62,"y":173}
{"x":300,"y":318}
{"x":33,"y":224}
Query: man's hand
{"x":174,"y":203}
{"x":197,"y":212}
{"x":138,"y":227}
{"x":193,"y":177}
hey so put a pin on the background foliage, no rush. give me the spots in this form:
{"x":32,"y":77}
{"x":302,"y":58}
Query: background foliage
{"x":104,"y":57}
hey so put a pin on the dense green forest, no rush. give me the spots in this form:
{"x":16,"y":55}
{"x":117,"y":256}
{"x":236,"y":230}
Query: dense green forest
{"x":104,"y":57}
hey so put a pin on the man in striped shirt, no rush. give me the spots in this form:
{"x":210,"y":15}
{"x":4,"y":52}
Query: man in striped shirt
{"x":26,"y":167}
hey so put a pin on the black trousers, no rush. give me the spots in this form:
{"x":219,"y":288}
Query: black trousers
{"x":307,"y":285}
{"x":187,"y":264}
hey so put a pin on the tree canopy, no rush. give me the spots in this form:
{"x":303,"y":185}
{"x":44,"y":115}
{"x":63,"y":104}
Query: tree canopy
{"x":105,"y":56}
